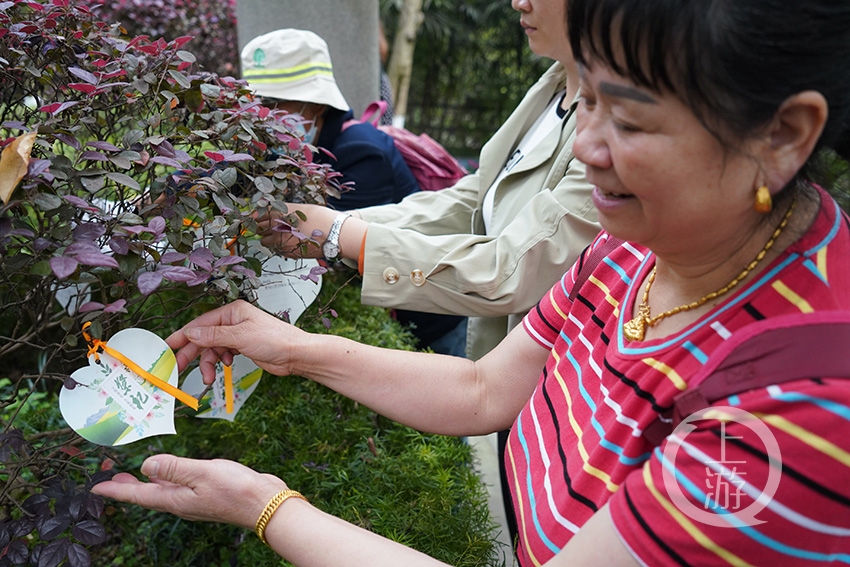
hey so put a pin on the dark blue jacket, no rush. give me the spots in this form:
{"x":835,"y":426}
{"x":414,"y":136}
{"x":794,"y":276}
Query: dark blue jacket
{"x":369,"y":158}
{"x":366,"y":156}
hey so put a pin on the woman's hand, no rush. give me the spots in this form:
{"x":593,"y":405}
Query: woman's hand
{"x":236,"y":328}
{"x":211,"y":491}
{"x":277,"y":234}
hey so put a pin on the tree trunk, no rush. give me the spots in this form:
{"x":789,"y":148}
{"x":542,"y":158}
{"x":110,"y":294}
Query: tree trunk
{"x":401,"y":61}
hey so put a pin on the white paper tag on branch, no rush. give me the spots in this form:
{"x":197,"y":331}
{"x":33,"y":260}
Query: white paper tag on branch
{"x":246,"y":376}
{"x":111,"y":404}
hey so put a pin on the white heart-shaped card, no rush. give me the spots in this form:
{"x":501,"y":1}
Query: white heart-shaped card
{"x":289,"y":285}
{"x":245,"y":375}
{"x":113,"y":405}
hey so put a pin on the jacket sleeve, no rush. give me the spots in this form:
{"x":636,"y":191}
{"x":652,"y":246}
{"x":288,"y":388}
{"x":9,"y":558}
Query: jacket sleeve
{"x":479,"y":275}
{"x":448,"y":211}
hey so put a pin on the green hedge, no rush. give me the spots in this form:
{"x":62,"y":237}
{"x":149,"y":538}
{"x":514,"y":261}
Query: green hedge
{"x":414,"y":488}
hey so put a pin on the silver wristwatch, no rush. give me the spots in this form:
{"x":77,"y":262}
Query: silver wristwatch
{"x":331,"y":246}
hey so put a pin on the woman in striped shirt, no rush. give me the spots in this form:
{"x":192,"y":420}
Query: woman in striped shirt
{"x":701,"y":123}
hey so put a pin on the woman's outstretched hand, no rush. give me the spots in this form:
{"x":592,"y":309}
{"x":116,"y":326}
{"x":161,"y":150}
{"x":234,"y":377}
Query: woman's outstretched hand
{"x":236,"y":328}
{"x":211,"y":491}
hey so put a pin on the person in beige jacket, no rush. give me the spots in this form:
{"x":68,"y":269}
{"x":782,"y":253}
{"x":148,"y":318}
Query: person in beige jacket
{"x":494,"y":243}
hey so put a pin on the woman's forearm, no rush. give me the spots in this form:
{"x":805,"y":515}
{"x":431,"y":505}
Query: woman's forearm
{"x":308,"y":537}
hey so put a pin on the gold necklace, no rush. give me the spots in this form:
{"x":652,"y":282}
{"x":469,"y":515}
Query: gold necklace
{"x":635,"y":329}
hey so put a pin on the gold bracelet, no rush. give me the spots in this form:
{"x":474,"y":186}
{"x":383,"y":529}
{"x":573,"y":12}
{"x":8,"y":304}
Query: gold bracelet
{"x":271,"y":508}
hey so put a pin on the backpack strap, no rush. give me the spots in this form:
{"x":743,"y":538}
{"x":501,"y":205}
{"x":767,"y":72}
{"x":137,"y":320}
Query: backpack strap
{"x":590,"y":260}
{"x":768,"y":352}
{"x":374,"y":112}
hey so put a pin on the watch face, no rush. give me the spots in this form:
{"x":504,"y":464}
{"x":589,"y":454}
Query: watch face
{"x":331,"y":250}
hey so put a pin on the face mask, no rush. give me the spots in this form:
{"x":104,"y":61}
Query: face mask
{"x":309,"y":135}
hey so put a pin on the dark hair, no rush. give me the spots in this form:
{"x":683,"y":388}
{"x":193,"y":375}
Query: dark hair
{"x":733,"y":62}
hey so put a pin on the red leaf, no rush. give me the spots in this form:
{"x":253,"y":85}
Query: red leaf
{"x":181,"y":41}
{"x":58,"y":107}
{"x":82,"y":87}
{"x":137,"y":39}
{"x":149,"y":49}
{"x":71,"y":451}
{"x":90,"y":306}
{"x":215,"y":156}
{"x":116,"y":307}
{"x":107,"y":464}
{"x":112,"y":75}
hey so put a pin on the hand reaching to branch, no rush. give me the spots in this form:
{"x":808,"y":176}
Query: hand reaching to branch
{"x":236,"y":328}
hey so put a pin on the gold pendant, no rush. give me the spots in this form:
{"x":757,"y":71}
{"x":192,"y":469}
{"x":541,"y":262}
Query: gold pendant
{"x":635,"y":329}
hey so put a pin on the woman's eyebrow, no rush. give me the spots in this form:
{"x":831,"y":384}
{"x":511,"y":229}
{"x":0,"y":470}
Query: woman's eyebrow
{"x":622,"y":91}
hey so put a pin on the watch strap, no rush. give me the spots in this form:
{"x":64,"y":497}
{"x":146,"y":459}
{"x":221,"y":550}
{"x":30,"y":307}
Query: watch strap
{"x":331,"y":247}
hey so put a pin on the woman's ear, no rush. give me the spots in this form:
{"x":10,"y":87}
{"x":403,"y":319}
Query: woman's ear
{"x":793,"y":135}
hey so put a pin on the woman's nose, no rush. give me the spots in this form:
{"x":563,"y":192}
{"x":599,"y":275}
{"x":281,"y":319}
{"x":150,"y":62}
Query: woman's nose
{"x":521,"y":5}
{"x":589,"y":145}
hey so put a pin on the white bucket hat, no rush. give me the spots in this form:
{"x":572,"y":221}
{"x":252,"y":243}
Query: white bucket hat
{"x":292,"y":65}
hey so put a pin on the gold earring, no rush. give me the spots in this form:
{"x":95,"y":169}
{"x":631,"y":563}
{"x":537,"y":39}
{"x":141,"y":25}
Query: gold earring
{"x":764,"y":204}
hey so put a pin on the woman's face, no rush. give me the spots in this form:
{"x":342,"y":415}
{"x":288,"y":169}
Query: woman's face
{"x":660,"y":178}
{"x":544,"y":25}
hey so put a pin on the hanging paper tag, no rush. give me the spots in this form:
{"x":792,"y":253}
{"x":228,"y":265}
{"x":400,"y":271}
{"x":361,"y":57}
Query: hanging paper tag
{"x":245,"y":377}
{"x":283,"y":289}
{"x":112,"y":404}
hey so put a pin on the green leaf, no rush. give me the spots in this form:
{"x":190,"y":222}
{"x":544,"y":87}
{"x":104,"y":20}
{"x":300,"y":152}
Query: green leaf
{"x":180,"y":78}
{"x":47,"y":202}
{"x":96,"y":330}
{"x":93,"y":184}
{"x":41,"y":268}
{"x":132,"y":137}
{"x":211,"y":91}
{"x":263,"y":184}
{"x":255,"y":265}
{"x":124,"y":180}
{"x":194,"y":100}
{"x":131,"y":219}
{"x":227,"y":177}
{"x":186,"y":56}
{"x":121,"y":161}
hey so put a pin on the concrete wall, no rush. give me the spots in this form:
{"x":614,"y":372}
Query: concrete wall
{"x":350,"y":28}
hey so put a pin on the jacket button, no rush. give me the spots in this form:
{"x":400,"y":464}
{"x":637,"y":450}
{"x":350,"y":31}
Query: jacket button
{"x":391,"y":276}
{"x":417,"y":278}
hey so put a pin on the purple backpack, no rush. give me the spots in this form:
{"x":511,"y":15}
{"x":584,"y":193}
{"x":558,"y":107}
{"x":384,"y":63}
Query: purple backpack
{"x":433,"y":167}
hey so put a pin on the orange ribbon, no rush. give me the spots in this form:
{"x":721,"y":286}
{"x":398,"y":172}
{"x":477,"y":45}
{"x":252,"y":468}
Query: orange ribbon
{"x":96,"y":346}
{"x":228,"y":389}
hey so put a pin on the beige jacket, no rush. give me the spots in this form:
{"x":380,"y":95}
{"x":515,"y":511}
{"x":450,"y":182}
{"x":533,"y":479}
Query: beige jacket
{"x":430,"y":252}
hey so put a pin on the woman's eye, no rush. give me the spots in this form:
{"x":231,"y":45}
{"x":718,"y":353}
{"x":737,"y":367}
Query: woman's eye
{"x":587,"y":101}
{"x":627,"y":128}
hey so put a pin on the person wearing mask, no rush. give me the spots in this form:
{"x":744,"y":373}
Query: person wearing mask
{"x":704,"y":154}
{"x":493,"y":243}
{"x":291,"y":70}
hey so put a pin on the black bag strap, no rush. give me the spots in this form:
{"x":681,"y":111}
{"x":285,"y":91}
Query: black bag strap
{"x":768,"y":352}
{"x":592,"y":259}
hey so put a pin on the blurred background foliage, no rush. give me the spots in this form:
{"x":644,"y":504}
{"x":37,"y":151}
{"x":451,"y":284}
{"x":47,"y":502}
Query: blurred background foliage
{"x":472,"y":63}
